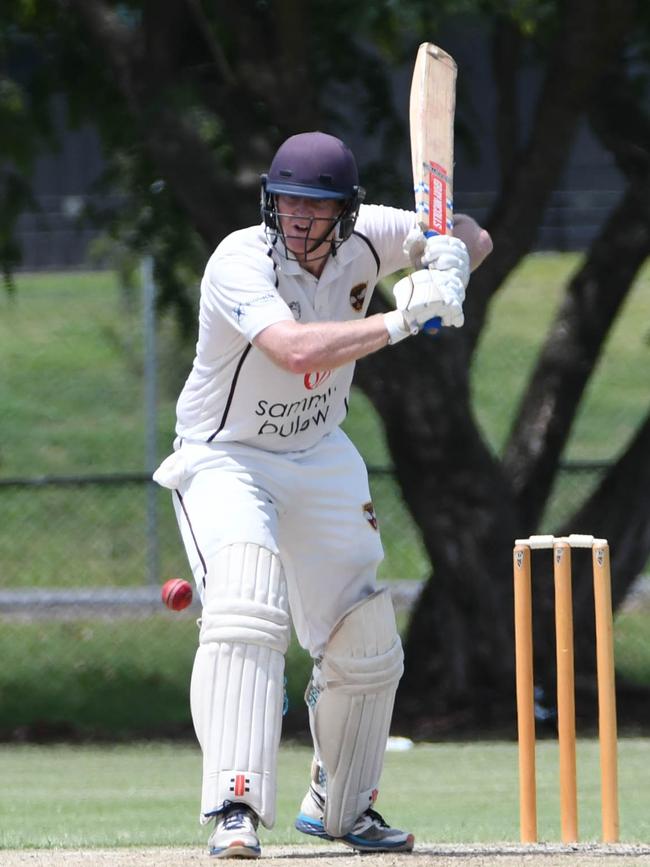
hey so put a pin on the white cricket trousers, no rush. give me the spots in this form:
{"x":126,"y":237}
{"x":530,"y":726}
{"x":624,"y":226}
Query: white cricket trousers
{"x":312,"y":508}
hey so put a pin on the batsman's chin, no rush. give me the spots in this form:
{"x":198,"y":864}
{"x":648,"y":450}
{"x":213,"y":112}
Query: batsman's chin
{"x":306,"y":249}
{"x":296,"y":243}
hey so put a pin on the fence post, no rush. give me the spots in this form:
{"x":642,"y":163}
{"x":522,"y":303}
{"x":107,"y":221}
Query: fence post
{"x":151,"y":407}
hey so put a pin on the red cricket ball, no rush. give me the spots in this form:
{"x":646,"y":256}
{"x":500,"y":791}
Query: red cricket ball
{"x":176,"y":594}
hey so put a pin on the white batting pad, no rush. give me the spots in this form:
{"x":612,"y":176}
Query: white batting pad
{"x":350,"y":699}
{"x":237,"y":686}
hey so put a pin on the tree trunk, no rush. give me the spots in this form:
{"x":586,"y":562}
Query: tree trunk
{"x":594,"y":297}
{"x":619,"y":510}
{"x":459,"y":648}
{"x":575,"y":341}
{"x":459,"y":661}
{"x":589,"y":37}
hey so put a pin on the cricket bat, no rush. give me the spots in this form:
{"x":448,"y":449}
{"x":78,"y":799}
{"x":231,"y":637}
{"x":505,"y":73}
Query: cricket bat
{"x":431,"y":120}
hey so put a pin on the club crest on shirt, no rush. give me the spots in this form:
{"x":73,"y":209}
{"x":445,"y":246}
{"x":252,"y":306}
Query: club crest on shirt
{"x":358,"y":295}
{"x":294,"y":306}
{"x":369,"y":514}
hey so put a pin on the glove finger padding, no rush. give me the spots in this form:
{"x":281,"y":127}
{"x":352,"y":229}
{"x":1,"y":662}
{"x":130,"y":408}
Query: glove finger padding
{"x":445,"y":261}
{"x":445,"y":252}
{"x":414,"y":246}
{"x":429,"y":293}
{"x":454,"y":281}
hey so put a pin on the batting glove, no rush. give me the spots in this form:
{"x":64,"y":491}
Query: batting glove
{"x":422,"y":296}
{"x":446,"y":253}
{"x":414,"y":245}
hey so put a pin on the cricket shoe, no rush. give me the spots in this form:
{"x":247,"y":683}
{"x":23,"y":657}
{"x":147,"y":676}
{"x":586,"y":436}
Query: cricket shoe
{"x":235,"y":833}
{"x":370,"y":833}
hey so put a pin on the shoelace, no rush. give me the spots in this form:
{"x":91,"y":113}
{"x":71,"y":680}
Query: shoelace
{"x":235,"y":820}
{"x":376,"y":817}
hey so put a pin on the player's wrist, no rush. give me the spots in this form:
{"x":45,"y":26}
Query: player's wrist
{"x":396,"y":326}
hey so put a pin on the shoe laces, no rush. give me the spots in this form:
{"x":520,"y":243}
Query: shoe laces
{"x":236,"y":819}
{"x":376,"y":817}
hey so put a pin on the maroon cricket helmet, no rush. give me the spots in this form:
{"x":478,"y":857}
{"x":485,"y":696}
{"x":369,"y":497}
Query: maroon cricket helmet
{"x":313,"y":165}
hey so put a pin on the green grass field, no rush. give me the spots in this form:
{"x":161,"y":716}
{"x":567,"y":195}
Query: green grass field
{"x":147,"y":794}
{"x":616,"y":399}
{"x":71,"y":403}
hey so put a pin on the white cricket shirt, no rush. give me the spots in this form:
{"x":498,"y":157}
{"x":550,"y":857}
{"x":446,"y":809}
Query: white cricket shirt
{"x":236,"y":393}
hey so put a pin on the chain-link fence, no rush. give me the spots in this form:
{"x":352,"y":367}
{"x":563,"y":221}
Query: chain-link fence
{"x":87,"y":393}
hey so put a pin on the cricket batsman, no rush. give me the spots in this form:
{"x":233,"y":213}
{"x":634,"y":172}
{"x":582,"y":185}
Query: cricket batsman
{"x":272,"y":498}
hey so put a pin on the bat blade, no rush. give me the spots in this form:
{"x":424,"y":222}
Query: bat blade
{"x":431,"y":117}
{"x":432,"y":107}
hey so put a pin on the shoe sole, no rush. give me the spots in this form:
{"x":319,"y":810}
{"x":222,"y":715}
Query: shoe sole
{"x":236,"y":850}
{"x":315,"y":828}
{"x":360,"y":845}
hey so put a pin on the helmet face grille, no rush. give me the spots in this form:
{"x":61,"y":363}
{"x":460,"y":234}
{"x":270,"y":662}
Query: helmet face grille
{"x":314,"y":165}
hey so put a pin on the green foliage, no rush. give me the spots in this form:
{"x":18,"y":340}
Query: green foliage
{"x":128,"y":677}
{"x":531,"y":16}
{"x":109,"y":678}
{"x":231,"y":77}
{"x":95,"y":677}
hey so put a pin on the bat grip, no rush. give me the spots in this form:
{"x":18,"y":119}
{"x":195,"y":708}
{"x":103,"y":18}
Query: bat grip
{"x":432,"y":326}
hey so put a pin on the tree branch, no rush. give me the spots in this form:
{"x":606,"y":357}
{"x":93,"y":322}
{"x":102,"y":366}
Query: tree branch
{"x":506,"y":59}
{"x":216,"y":52}
{"x":189,"y":165}
{"x":627,"y":529}
{"x":590,"y":35}
{"x":552,"y":398}
{"x":594,"y":297}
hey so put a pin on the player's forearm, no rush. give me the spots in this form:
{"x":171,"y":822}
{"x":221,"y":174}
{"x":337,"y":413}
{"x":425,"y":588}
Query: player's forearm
{"x":301,"y":348}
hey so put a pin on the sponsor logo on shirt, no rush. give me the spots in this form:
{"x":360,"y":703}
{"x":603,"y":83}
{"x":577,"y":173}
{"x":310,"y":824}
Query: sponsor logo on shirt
{"x":315,"y":378}
{"x":239,"y":311}
{"x":289,"y":419}
{"x":263,"y":299}
{"x":294,"y":306}
{"x":358,"y":296}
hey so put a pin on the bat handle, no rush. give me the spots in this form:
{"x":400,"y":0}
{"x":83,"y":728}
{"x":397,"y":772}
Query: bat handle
{"x":432,"y":326}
